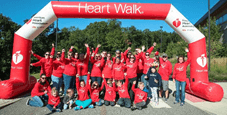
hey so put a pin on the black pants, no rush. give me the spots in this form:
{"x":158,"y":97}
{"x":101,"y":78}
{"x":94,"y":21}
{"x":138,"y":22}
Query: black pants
{"x":107,"y":103}
{"x":131,"y":93}
{"x":124,"y":102}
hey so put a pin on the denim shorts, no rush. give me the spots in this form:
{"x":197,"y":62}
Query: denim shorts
{"x":165,"y":85}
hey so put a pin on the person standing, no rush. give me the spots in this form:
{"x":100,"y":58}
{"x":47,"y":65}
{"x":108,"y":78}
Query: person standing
{"x":82,"y":65}
{"x":154,"y":80}
{"x":46,"y":65}
{"x":165,"y":70}
{"x":69,"y":72}
{"x":58,"y":69}
{"x":179,"y":77}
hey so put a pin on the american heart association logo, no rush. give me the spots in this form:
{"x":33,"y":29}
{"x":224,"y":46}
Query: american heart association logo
{"x":177,"y":22}
{"x":17,"y":57}
{"x":202,"y":61}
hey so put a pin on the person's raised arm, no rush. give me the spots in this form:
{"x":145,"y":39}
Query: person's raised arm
{"x":88,"y":52}
{"x":52,"y":50}
{"x":102,"y":60}
{"x":71,"y":49}
{"x":77,"y":82}
{"x":151,"y":48}
{"x":133,"y":86}
{"x":126,"y":80}
{"x":36,"y":64}
{"x":100,"y":89}
{"x":189,"y":56}
{"x":36,"y":55}
{"x":63,"y":55}
{"x":97,"y":49}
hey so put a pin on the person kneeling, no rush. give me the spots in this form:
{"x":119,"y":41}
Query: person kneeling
{"x":54,"y":102}
{"x":140,"y":96}
{"x":124,"y":98}
{"x":110,"y":94}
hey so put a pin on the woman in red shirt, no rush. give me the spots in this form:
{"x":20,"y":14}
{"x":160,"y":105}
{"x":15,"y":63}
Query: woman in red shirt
{"x":107,"y":69}
{"x":39,"y":92}
{"x":58,"y":69}
{"x":69,"y":72}
{"x":179,"y":77}
{"x":131,"y":72}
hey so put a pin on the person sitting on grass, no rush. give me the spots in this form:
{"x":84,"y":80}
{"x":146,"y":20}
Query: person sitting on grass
{"x":110,"y":93}
{"x":83,"y":100}
{"x":68,"y":99}
{"x":39,"y":92}
{"x":54,"y":101}
{"x":140,"y":96}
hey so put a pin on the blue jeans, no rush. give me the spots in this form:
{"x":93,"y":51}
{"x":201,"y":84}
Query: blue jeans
{"x":100,"y":102}
{"x":67,"y":105}
{"x":57,"y":82}
{"x":143,"y":79}
{"x":84,"y":78}
{"x":98,"y":79}
{"x":69,"y":82}
{"x":38,"y":101}
{"x":50,"y":107}
{"x":84,"y":103}
{"x":178,"y":85}
{"x":124,"y":102}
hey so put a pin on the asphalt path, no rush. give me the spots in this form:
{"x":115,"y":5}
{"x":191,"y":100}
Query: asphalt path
{"x":20,"y":108}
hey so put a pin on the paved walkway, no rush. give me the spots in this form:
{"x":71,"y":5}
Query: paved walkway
{"x":200,"y":107}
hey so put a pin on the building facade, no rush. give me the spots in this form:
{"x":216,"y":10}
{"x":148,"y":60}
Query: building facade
{"x":219,"y":10}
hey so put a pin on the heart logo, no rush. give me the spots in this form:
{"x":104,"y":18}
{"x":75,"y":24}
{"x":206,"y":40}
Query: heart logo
{"x":17,"y":57}
{"x":202,"y":61}
{"x":177,"y":22}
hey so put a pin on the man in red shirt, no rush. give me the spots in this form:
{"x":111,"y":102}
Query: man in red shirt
{"x":165,"y":70}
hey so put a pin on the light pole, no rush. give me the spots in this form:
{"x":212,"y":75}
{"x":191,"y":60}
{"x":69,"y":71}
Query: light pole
{"x":209,"y":32}
{"x":161,"y":39}
{"x":56,"y":42}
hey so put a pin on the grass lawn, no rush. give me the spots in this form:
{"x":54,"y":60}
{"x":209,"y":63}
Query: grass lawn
{"x":36,"y":75}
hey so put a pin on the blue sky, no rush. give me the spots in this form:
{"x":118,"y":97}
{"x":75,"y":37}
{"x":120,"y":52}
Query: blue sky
{"x":19,"y":10}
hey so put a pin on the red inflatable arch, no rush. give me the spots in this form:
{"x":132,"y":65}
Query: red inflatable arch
{"x":20,"y":81}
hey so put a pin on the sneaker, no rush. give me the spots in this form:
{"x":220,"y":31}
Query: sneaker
{"x":102,"y":101}
{"x":156,"y":104}
{"x":77,"y":108}
{"x":166,"y":99}
{"x":181,"y":104}
{"x":58,"y":110}
{"x":27,"y":102}
{"x":91,"y":106}
{"x":140,"y":108}
{"x":133,"y":108}
{"x":175,"y":102}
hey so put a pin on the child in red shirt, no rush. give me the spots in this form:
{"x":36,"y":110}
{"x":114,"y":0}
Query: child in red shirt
{"x":54,"y":102}
{"x":140,"y":96}
{"x":110,"y":93}
{"x":94,"y":90}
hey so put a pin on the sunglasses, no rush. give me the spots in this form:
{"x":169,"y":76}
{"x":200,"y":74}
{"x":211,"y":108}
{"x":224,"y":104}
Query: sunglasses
{"x":43,"y":78}
{"x":69,"y":55}
{"x":95,"y":85}
{"x":47,"y":54}
{"x":164,"y":57}
{"x":97,"y":56}
{"x":147,"y":54}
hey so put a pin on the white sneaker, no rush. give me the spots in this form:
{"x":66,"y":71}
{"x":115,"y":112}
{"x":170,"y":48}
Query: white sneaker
{"x":27,"y":102}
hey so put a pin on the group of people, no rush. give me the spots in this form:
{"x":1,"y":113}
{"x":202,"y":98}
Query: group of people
{"x":98,"y":78}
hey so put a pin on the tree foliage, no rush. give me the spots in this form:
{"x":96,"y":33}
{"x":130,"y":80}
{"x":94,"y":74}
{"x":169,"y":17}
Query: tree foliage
{"x":110,"y":34}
